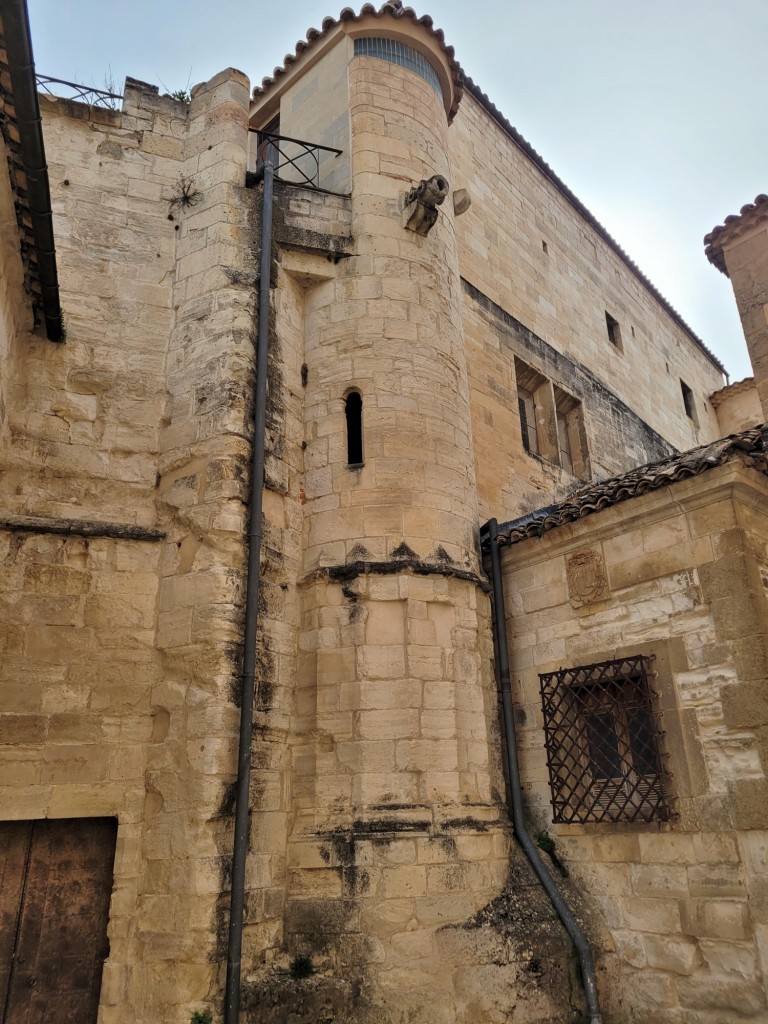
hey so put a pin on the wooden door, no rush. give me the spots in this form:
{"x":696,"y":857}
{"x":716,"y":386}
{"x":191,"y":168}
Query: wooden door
{"x":55,"y":887}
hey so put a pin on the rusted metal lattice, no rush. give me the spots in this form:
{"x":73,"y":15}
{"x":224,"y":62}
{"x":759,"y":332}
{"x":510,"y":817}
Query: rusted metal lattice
{"x":603,"y":741}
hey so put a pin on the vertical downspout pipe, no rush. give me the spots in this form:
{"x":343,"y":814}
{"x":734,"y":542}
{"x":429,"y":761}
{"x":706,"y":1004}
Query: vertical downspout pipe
{"x":252,"y":587}
{"x":491,"y":532}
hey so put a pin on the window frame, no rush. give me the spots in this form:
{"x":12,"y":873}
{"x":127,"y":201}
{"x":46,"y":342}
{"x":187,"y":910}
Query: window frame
{"x":551,"y":422}
{"x":536,"y":391}
{"x":526,"y":408}
{"x":573,"y":450}
{"x":689,"y":403}
{"x":583,"y":790}
{"x":353,"y":423}
{"x":614,"y":332}
{"x":564,"y":442}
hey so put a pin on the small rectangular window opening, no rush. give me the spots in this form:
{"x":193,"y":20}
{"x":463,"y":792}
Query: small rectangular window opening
{"x":564,"y":442}
{"x":614,"y":331}
{"x":527,"y":409}
{"x":572,"y":446}
{"x":537,"y":415}
{"x":353,"y":410}
{"x":690,"y":407}
{"x":551,"y":422}
{"x":544,"y":246}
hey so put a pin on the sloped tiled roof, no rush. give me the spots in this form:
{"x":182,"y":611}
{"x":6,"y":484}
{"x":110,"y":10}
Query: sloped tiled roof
{"x":393,"y":8}
{"x":713,"y":242}
{"x":749,"y":447}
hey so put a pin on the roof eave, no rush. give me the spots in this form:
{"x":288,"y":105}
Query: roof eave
{"x":734,"y":225}
{"x":21,"y":66}
{"x":749,"y":446}
{"x":350,"y":23}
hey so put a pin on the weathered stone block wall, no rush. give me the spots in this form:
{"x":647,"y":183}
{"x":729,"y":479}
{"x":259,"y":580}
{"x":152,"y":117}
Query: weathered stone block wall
{"x":396,"y":829}
{"x":84,"y":416}
{"x":273,"y":787}
{"x":78,"y":681}
{"x":201,"y":494}
{"x":682,"y":904}
{"x":562,"y":295}
{"x":80,"y":667}
{"x":120,"y":656}
{"x":389,"y":326}
{"x":511,"y":480}
{"x":392,"y":671}
{"x":378,"y":846}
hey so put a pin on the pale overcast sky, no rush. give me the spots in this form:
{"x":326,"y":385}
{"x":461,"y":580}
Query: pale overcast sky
{"x":652,"y":111}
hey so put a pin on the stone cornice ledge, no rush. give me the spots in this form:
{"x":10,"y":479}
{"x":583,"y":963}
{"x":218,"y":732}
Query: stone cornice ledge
{"x":351,"y":570}
{"x":79,"y":527}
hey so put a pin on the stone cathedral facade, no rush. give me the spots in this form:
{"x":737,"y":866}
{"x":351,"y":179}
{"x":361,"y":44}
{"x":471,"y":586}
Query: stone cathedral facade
{"x":453,"y":339}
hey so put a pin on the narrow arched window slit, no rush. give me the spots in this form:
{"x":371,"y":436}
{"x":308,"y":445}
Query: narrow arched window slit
{"x":353,"y":409}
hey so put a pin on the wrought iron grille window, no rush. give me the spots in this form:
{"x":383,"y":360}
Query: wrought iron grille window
{"x":398,"y":53}
{"x":603,"y":742}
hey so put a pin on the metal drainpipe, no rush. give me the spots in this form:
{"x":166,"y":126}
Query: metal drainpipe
{"x":22,"y":69}
{"x":516,"y":797}
{"x":253,"y":583}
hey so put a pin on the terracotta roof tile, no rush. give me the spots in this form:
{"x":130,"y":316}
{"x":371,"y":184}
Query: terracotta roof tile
{"x":749,"y":447}
{"x":713,"y":242}
{"x":393,"y":8}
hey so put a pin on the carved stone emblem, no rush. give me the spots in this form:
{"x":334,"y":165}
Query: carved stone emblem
{"x":587,"y":580}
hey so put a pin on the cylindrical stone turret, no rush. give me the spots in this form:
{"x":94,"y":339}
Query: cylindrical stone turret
{"x":390,"y":480}
{"x":393,"y":792}
{"x":390,"y":328}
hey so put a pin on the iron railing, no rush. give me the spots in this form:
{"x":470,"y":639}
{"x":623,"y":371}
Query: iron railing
{"x":603,"y":742}
{"x":81,"y":93}
{"x":294,"y":160}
